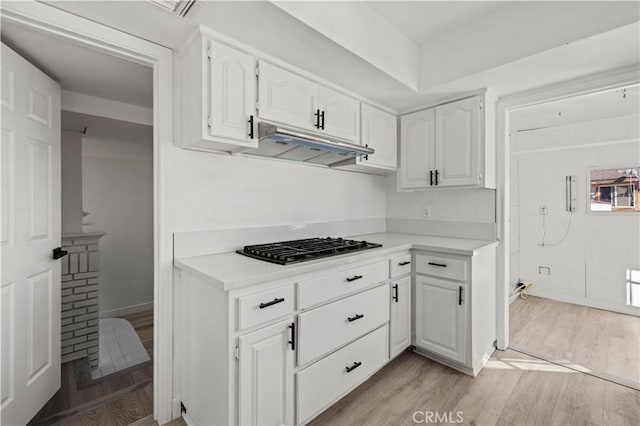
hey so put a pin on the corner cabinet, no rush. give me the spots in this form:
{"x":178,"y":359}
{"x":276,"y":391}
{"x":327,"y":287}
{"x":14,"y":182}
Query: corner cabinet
{"x":450,"y":145}
{"x":380,"y":132}
{"x":218,"y":87}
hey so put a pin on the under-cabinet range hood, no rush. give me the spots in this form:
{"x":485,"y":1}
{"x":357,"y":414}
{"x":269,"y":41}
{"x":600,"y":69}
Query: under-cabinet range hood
{"x":281,"y":142}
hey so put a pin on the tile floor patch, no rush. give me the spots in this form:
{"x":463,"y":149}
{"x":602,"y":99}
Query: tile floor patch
{"x":120,"y":347}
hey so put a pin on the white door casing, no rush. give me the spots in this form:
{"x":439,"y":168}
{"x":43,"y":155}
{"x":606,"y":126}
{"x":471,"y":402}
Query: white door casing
{"x":417,"y":139}
{"x":30,"y":231}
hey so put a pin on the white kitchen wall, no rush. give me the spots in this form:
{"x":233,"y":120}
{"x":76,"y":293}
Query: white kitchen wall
{"x":117,"y":168}
{"x":216,"y":191}
{"x":590,"y":266}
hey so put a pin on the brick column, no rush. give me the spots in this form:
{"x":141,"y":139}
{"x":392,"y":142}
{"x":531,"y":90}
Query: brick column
{"x":80,"y":274}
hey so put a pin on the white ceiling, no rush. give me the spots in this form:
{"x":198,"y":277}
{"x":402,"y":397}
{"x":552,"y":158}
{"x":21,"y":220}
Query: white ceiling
{"x":80,"y":69}
{"x":424,"y":21}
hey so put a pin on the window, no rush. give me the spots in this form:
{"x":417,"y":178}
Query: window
{"x":615,"y":190}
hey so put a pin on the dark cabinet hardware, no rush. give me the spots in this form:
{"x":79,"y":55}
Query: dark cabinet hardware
{"x":460,"y":295}
{"x":59,"y":253}
{"x":322,"y":118}
{"x":431,"y":177}
{"x":292,"y":342}
{"x":442,"y":265}
{"x":251,"y":127}
{"x":357,"y":317}
{"x":353,"y":367}
{"x":317,"y":115}
{"x":436,"y":178}
{"x":273,"y":302}
{"x":366,"y":156}
{"x":405,"y":263}
{"x":354,"y":278}
{"x":395,"y":293}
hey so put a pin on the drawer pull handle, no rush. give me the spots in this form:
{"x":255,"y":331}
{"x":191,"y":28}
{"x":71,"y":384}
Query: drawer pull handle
{"x":353,"y":367}
{"x":273,"y":302}
{"x":395,"y":293}
{"x":354,"y":278}
{"x":292,"y":342}
{"x":442,"y":265}
{"x":404,"y":263}
{"x":357,"y":317}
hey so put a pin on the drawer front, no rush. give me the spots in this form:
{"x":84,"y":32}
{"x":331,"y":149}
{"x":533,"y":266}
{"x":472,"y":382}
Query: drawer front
{"x":444,"y":267}
{"x":327,"y":287}
{"x":265,"y":306}
{"x":329,"y":327}
{"x":327,"y":380}
{"x":400,"y":265}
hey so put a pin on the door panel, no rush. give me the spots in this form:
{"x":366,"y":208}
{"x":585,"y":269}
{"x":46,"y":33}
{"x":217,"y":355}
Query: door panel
{"x":341,"y":114}
{"x":457,"y":141}
{"x":400,"y":316}
{"x":379,"y":131}
{"x":30,"y":231}
{"x":417,"y":140}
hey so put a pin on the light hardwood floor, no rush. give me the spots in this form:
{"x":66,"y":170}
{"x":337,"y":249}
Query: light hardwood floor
{"x":601,"y":341}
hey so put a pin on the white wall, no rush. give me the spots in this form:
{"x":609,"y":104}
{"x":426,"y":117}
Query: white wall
{"x":216,"y":191}
{"x":71,"y":179}
{"x":117,"y":168}
{"x":590,"y":266}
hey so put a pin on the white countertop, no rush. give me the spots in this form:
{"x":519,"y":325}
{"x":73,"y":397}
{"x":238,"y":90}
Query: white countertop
{"x":229,"y":271}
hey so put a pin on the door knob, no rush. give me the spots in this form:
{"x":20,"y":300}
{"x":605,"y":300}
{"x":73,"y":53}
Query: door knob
{"x":59,"y":253}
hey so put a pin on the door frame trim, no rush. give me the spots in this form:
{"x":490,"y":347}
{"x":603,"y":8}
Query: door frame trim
{"x":41,"y":17}
{"x":608,"y":80}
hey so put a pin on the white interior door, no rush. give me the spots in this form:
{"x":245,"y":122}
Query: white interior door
{"x":30,"y":212}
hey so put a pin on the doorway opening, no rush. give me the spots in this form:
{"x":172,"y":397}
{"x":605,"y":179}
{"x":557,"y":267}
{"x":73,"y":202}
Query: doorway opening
{"x":104,"y":197}
{"x":574,"y":249}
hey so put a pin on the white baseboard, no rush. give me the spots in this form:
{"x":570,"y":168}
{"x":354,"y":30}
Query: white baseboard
{"x":598,"y":304}
{"x":126,"y":310}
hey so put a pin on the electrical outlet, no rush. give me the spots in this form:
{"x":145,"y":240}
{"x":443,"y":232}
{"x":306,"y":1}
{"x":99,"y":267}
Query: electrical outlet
{"x":544,"y":270}
{"x":544,"y":210}
{"x":426,"y":211}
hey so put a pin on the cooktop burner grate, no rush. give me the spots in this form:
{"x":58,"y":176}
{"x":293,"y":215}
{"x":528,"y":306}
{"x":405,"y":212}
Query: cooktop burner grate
{"x":287,"y":252}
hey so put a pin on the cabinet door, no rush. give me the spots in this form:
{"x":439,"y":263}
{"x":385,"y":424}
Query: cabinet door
{"x":417,"y":138}
{"x":341,"y":114}
{"x":441,"y":317}
{"x":400,"y":321}
{"x":379,"y":131}
{"x":233,"y":92}
{"x":458,"y":138}
{"x":286,"y":98}
{"x":266,"y":376}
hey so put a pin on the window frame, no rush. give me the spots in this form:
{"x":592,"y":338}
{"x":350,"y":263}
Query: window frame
{"x":621,"y":211}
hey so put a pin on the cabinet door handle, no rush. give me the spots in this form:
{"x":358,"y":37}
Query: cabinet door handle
{"x":366,"y":156}
{"x":317,"y":115}
{"x":250,"y":127}
{"x":431,"y":177}
{"x":58,"y":253}
{"x":353,"y":367}
{"x":322,"y":118}
{"x":460,"y":295}
{"x":395,"y":293}
{"x":405,"y":263}
{"x":273,"y":302}
{"x":354,"y":278}
{"x":357,"y":317}
{"x":436,"y":178}
{"x":292,"y":342}
{"x":442,"y":265}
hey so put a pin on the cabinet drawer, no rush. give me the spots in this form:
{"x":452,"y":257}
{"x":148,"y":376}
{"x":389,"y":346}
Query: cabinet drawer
{"x":327,"y":328}
{"x":445,"y":267}
{"x":327,"y":287}
{"x":400,"y":265}
{"x":265,"y":306}
{"x":327,"y":380}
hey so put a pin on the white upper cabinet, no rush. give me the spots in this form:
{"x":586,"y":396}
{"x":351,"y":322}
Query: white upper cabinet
{"x":339,"y":114}
{"x":287,"y":98}
{"x":455,"y":149}
{"x":380,"y":132}
{"x":284,"y":97}
{"x":458,"y":136}
{"x":417,"y":139}
{"x":219,"y":90}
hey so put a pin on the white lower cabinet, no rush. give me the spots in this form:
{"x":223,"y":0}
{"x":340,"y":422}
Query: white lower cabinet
{"x":400,"y":316}
{"x":266,"y":375}
{"x":330,"y":378}
{"x":441,"y":317}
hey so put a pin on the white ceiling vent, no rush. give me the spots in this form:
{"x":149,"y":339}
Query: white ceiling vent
{"x":179,"y":7}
